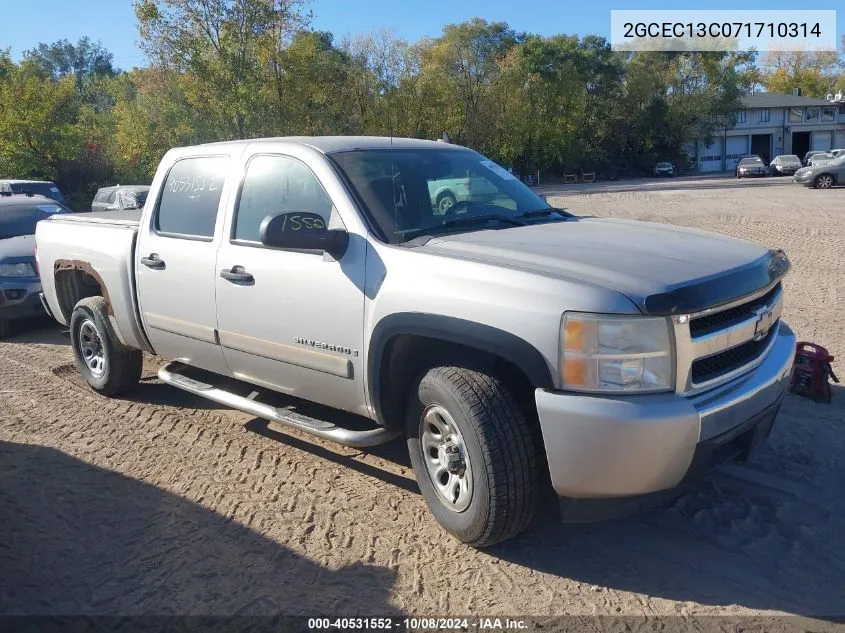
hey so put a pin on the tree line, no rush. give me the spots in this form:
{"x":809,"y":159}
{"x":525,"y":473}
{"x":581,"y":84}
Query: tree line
{"x":233,"y":69}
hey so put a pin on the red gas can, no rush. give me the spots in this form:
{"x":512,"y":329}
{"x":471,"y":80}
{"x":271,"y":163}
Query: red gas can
{"x":812,"y":371}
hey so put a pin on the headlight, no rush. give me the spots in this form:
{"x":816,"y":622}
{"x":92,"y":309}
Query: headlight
{"x":17,"y":270}
{"x":601,"y":353}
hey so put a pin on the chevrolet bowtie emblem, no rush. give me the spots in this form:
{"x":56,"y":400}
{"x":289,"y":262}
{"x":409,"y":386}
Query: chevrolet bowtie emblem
{"x":765,"y":320}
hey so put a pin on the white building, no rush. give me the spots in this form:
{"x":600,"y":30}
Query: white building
{"x":771,"y":124}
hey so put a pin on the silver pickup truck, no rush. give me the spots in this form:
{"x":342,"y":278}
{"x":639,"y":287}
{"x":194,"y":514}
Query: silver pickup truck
{"x":512,"y":344}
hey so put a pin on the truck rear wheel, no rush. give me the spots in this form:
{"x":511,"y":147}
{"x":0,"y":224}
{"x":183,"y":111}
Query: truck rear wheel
{"x":473,"y":455}
{"x":109,"y":367}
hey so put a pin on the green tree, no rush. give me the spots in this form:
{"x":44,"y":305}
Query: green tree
{"x":84,"y":60}
{"x":816,"y":74}
{"x":312,"y":72}
{"x":38,"y":120}
{"x":460,"y":70}
{"x":225,"y":46}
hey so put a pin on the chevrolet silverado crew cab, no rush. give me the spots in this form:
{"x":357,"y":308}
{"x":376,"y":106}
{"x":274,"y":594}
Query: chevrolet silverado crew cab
{"x":511,"y":343}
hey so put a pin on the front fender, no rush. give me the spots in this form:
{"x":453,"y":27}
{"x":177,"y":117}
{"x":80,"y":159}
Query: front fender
{"x":485,"y":338}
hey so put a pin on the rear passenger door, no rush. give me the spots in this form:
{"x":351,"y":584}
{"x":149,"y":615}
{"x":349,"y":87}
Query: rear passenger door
{"x":176,"y":253}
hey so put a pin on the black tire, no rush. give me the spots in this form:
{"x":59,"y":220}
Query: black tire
{"x":498,"y":443}
{"x":121,"y":365}
{"x":823,"y":181}
{"x":5,"y":328}
{"x":445,"y":198}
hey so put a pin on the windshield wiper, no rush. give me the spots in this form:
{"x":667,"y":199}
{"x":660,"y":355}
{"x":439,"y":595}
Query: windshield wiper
{"x":538,"y":212}
{"x":544,"y":212}
{"x":483,"y":219}
{"x":446,"y":225}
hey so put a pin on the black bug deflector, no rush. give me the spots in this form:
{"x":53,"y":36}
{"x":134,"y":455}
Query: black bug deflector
{"x":722,"y":288}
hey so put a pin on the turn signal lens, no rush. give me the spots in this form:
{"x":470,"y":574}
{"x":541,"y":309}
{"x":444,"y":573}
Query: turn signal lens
{"x":575,"y":372}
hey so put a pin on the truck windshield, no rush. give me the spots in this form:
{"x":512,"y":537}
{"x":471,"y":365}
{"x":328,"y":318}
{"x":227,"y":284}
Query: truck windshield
{"x":409,"y":192}
{"x":20,"y":219}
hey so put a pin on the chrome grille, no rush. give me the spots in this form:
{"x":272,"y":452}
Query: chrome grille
{"x":705,"y":324}
{"x":717,"y":345}
{"x":712,"y":367}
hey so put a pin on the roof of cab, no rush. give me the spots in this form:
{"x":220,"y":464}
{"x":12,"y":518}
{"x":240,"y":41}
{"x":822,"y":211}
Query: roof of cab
{"x":330,"y":144}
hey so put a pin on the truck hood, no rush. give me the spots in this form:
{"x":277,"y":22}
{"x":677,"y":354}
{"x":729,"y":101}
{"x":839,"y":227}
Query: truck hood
{"x":14,"y":250}
{"x":662,"y":269}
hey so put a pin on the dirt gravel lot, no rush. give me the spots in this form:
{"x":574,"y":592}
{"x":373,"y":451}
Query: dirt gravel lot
{"x":162,"y":503}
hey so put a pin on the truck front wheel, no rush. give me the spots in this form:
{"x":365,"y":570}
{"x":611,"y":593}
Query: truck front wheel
{"x":473,"y":455}
{"x":107,"y":365}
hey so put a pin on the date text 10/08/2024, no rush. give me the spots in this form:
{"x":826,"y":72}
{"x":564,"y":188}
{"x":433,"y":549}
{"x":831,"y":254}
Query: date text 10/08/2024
{"x":414,"y":624}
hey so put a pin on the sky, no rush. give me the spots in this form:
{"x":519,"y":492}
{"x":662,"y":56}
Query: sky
{"x":25,"y":23}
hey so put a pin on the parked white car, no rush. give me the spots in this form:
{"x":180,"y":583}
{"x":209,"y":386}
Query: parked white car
{"x":822,"y":158}
{"x":448,"y":192}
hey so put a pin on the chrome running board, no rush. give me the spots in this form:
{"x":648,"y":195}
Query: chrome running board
{"x":321,"y":428}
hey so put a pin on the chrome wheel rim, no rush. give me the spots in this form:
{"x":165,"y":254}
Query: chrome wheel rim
{"x":91,"y":348}
{"x":825,"y":182}
{"x":446,"y":458}
{"x":446,"y":203}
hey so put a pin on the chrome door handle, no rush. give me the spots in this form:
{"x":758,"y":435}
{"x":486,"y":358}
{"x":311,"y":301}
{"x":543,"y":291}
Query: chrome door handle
{"x":237,"y":274}
{"x":153,"y":261}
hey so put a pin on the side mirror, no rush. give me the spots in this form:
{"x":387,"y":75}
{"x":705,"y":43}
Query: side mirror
{"x":302,"y":230}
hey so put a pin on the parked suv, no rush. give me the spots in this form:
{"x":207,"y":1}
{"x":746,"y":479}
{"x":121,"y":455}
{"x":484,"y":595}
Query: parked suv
{"x":36,"y":187}
{"x":626,"y":358}
{"x":120,"y":198}
{"x":20,"y":287}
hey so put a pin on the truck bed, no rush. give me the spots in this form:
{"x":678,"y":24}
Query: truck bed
{"x":102,"y":245}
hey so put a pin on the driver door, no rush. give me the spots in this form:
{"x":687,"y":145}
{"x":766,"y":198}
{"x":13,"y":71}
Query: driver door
{"x":290,"y":320}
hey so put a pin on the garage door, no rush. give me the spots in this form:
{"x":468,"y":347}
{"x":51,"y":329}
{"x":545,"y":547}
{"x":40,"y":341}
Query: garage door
{"x":821,"y":141}
{"x":840,"y":140}
{"x":710,"y":158}
{"x":737,"y":148}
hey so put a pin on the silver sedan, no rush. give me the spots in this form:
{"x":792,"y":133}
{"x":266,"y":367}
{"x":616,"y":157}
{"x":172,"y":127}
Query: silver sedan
{"x":822,"y":176}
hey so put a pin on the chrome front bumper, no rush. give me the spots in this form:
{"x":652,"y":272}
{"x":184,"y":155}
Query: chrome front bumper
{"x":606,"y":447}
